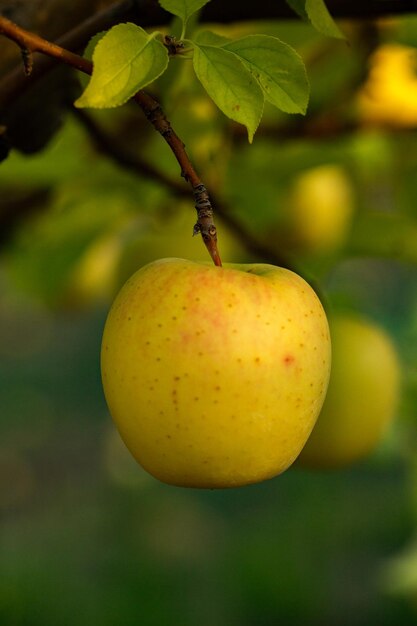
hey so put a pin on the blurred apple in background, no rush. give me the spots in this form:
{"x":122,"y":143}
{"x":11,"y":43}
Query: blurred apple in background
{"x":93,"y":280}
{"x":320,"y":209}
{"x":112,"y":258}
{"x":362,"y":397}
{"x":389,"y":96}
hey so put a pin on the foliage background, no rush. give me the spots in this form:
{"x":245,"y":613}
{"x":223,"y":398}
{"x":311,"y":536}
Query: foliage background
{"x":88,"y":537}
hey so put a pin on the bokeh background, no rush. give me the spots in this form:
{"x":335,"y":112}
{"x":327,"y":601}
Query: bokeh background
{"x":87,"y":537}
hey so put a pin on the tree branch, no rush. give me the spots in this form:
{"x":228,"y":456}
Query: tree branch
{"x":32,"y":42}
{"x":14,"y":83}
{"x":153,"y":112}
{"x":109,"y":146}
{"x":150,"y":14}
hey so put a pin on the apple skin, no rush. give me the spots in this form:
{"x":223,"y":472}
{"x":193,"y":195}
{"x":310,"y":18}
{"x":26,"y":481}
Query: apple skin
{"x":362,"y":396}
{"x":215,"y":376}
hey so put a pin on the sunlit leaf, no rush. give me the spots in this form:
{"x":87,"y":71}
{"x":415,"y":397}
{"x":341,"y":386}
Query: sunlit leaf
{"x":125,"y":60}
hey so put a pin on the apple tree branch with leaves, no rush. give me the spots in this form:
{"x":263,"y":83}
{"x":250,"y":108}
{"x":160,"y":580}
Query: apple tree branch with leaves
{"x":236,"y":83}
{"x":238,"y":75}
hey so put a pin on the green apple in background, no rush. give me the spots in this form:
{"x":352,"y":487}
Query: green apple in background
{"x":215,"y":376}
{"x":321,"y":208}
{"x":362,"y":397}
{"x":93,"y":279}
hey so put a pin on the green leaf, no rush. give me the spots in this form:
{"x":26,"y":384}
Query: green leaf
{"x":182,"y":8}
{"x":278,"y":68}
{"x":125,"y":60}
{"x":316,"y":12}
{"x":230,"y":85}
{"x":208,"y":38}
{"x":299,"y":6}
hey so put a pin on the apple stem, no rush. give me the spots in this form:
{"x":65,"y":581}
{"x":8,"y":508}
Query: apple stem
{"x":205,"y":224}
{"x":30,"y":42}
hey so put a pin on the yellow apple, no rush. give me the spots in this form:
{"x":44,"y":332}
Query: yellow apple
{"x":389,"y":96}
{"x":215,"y":376}
{"x":362,"y":396}
{"x":321,"y":207}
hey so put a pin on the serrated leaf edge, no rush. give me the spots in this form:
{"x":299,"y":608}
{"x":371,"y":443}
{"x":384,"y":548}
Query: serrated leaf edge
{"x":79,"y":103}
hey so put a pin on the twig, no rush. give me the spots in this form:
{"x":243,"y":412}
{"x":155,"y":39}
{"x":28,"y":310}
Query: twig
{"x":110,"y":146}
{"x":33,"y":43}
{"x":154,"y":113}
{"x":14,"y":83}
{"x":151,"y":14}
